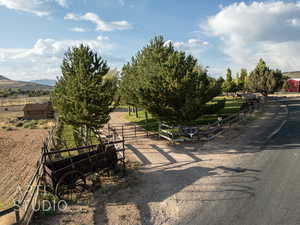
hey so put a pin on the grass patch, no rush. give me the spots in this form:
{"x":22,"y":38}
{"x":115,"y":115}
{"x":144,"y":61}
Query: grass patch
{"x":151,"y":124}
{"x":69,"y":138}
{"x":4,"y":206}
{"x":6,"y":115}
{"x":232,"y":106}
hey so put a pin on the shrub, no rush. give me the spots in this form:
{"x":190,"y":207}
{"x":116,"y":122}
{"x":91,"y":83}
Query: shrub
{"x":30,"y":125}
{"x":19,"y":124}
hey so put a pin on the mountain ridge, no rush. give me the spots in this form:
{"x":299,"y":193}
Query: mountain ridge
{"x":6,"y":83}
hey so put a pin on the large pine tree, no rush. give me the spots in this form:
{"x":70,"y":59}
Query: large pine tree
{"x":169,"y":84}
{"x":263,"y":80}
{"x":84,"y":94}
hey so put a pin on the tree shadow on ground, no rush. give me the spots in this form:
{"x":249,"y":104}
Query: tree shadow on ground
{"x":173,"y":184}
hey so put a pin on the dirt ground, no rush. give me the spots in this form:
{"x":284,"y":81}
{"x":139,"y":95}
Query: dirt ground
{"x":19,"y":152}
{"x":173,"y":178}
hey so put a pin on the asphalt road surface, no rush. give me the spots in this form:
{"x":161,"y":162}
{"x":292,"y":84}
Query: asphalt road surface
{"x":266,"y":191}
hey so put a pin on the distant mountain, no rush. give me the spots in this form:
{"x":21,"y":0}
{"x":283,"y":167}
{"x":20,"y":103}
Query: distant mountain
{"x":47,"y":82}
{"x":6,"y":83}
{"x":3,"y":77}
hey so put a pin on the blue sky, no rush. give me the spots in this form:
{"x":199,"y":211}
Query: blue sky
{"x":221,"y":34}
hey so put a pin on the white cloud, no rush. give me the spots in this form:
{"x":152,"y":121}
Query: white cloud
{"x":101,"y":25}
{"x":191,"y":46}
{"x":260,"y":29}
{"x":35,"y":7}
{"x":62,"y":3}
{"x":78,"y":29}
{"x":121,"y":2}
{"x":43,"y":60}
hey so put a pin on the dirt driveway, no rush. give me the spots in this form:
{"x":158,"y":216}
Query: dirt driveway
{"x":174,"y":179}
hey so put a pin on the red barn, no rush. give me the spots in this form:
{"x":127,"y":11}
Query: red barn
{"x":293,"y":81}
{"x":294,"y":85}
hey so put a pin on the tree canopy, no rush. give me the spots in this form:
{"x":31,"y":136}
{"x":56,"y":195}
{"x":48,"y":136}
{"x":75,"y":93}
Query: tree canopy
{"x":229,"y":85}
{"x":168,"y":83}
{"x":84,"y":94}
{"x":264,"y":80}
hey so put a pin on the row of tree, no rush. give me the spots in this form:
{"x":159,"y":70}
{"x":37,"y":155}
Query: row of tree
{"x":262,"y":79}
{"x":168,"y":83}
{"x":15,"y":92}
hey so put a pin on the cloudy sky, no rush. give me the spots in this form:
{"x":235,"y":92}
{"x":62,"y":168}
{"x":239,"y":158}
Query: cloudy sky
{"x":220,"y":33}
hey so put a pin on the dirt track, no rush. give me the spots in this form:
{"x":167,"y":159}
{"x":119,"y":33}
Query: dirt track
{"x":173,"y":179}
{"x":19,"y":151}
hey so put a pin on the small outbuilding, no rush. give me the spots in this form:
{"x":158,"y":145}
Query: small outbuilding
{"x":38,"y":111}
{"x":293,"y":81}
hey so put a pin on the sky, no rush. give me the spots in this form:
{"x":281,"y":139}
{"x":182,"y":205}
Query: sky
{"x":219,"y":33}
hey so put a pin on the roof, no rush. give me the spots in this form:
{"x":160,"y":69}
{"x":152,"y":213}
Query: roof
{"x":293,"y":74}
{"x":297,"y":79}
{"x":38,"y":107}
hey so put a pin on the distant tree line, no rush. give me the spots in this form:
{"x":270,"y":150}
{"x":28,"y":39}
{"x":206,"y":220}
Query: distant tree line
{"x":262,"y":80}
{"x":14,"y":92}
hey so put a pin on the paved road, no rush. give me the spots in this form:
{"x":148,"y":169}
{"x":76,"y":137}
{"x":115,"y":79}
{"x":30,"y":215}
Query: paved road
{"x":269,"y":191}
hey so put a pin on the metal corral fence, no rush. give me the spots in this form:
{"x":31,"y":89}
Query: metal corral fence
{"x":128,"y":131}
{"x":207,"y":132}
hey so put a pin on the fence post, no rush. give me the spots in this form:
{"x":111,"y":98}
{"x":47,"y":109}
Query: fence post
{"x":17,"y":212}
{"x":108,"y":128}
{"x":159,"y":127}
{"x":134,"y":130}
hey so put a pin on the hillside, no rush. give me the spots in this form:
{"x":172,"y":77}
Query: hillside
{"x":3,"y":77}
{"x":47,"y":82}
{"x":6,"y":83}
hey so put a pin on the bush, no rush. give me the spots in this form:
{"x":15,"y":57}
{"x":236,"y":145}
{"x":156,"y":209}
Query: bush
{"x":216,"y":107}
{"x":19,"y":124}
{"x":30,"y":125}
{"x":9,"y":129}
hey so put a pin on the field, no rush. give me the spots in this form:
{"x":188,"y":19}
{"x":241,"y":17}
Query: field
{"x":20,"y":146}
{"x":19,"y":151}
{"x":19,"y":101}
{"x":232,"y":106}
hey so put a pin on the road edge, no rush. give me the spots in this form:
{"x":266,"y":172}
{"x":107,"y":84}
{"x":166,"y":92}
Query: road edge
{"x":278,"y":129}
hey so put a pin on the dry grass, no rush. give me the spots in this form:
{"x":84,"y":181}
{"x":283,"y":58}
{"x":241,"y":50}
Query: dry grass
{"x":22,"y":100}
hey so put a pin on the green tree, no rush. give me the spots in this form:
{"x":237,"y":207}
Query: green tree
{"x":243,"y":79}
{"x":229,"y":85}
{"x":262,"y":79}
{"x":285,"y":85}
{"x":238,"y":83}
{"x":279,"y":79}
{"x":168,"y":83}
{"x":84,"y":94}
